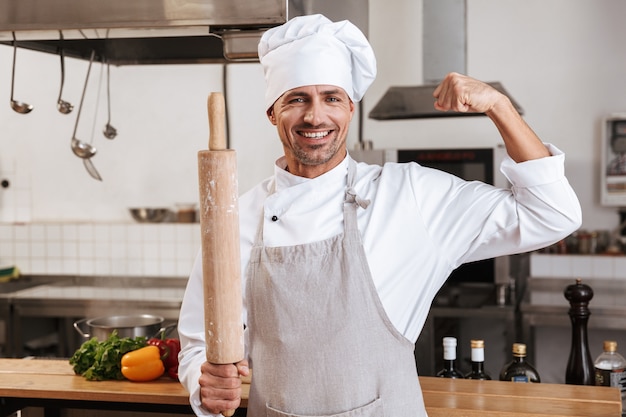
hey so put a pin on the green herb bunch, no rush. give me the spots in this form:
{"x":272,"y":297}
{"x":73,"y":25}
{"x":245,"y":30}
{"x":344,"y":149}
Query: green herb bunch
{"x":99,"y":361}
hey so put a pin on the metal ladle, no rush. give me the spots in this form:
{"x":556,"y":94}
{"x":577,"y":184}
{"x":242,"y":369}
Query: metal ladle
{"x":83,"y":149}
{"x":63,"y":106}
{"x":109,"y":131}
{"x":91,"y":169}
{"x":18,"y":106}
{"x":80,"y":148}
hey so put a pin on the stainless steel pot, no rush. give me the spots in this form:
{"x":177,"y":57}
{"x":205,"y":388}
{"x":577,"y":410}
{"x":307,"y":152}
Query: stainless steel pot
{"x":127,"y":326}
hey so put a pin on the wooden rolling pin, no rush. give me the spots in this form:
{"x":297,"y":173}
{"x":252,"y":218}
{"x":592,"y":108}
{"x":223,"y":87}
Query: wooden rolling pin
{"x":219,"y":223}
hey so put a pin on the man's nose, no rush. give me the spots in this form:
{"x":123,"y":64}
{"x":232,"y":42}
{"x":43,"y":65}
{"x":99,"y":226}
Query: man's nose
{"x":313,"y":114}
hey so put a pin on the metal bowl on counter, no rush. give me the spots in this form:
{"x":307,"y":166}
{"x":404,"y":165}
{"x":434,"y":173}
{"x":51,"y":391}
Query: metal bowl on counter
{"x":149,"y":215}
{"x":132,"y":326}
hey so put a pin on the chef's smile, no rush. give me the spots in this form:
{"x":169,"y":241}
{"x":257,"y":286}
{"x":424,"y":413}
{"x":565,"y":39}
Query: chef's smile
{"x":314,"y":135}
{"x":315,"y":138}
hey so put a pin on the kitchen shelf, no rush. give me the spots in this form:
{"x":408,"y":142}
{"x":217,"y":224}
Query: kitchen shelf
{"x":67,"y":301}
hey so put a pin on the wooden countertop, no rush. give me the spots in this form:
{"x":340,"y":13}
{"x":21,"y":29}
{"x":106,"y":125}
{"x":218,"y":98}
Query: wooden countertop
{"x":54,"y":379}
{"x":46,"y":378}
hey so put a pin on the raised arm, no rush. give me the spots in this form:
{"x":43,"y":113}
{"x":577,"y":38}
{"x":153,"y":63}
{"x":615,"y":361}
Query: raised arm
{"x":461,"y":93}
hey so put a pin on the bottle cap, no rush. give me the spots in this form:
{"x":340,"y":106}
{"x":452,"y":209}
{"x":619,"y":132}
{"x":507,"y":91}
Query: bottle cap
{"x":610,"y":346}
{"x":519,"y":349}
{"x":449,"y":341}
{"x":449,"y":348}
{"x":476,"y":344}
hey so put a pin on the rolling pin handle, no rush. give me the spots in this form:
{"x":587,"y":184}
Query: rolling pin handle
{"x":217,"y":113}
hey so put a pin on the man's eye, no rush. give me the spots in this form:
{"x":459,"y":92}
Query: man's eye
{"x":297,"y":100}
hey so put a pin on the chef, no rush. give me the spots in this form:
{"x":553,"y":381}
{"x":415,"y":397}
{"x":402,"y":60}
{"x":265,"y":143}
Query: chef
{"x":342,"y":259}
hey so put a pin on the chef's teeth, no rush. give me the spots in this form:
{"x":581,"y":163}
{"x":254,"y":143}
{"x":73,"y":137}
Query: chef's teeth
{"x":315,"y":134}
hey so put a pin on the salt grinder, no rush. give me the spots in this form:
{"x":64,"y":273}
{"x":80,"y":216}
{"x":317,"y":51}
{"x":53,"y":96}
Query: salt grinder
{"x":580,"y":369}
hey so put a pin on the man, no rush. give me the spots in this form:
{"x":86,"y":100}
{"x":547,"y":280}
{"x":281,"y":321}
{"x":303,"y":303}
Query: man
{"x":342,"y":260}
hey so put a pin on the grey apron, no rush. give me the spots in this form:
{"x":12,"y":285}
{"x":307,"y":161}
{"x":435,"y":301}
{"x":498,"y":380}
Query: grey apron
{"x":321,"y":343}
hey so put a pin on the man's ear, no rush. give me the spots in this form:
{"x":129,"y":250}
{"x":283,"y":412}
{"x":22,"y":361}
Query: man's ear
{"x":270,"y":115}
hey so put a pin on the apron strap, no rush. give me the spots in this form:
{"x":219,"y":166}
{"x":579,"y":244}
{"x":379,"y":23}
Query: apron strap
{"x":351,"y":196}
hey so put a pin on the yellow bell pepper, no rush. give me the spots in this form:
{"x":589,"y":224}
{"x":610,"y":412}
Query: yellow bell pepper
{"x":143,"y":364}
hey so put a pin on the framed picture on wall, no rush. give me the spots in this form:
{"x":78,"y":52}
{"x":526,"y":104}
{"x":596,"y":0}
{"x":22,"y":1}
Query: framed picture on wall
{"x":613,"y":166}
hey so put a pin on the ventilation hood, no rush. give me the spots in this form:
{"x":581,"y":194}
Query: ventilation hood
{"x":444,"y":49}
{"x":141,"y":31}
{"x":417,"y":102}
{"x":127,"y":32}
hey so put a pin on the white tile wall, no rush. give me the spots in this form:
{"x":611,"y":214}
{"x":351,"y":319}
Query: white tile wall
{"x":109,"y":249}
{"x":15,"y":200}
{"x":607,"y":270}
{"x":578,"y":266}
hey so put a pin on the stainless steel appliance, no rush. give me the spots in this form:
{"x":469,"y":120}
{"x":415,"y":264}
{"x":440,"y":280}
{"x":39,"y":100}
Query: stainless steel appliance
{"x":159,"y":32}
{"x":416,"y":102}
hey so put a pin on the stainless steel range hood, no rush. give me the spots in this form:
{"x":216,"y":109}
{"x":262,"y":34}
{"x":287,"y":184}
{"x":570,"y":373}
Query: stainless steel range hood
{"x":124,"y":32}
{"x":417,"y":102}
{"x":141,"y":31}
{"x":444,"y":49}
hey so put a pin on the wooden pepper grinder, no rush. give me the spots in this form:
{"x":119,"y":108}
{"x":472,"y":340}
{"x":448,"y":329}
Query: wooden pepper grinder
{"x":580,"y":369}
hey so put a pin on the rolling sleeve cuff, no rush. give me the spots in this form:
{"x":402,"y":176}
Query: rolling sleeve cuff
{"x":536,"y":171}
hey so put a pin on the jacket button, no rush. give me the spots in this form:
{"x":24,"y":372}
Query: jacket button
{"x":274,"y":218}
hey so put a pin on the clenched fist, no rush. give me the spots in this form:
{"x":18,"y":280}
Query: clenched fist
{"x":220,"y":386}
{"x":461,"y":93}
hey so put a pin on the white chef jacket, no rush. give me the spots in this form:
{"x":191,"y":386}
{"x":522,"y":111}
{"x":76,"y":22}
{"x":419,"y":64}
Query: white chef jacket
{"x":421,"y":224}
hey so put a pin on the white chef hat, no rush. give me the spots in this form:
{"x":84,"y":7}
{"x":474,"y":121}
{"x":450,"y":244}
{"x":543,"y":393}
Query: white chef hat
{"x":312,"y":50}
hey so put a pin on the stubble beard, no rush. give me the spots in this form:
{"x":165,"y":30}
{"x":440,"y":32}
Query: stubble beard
{"x":313,"y":155}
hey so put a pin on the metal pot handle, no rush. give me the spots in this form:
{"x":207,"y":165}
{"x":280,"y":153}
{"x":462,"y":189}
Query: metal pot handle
{"x":164,"y":331}
{"x":79,"y":330}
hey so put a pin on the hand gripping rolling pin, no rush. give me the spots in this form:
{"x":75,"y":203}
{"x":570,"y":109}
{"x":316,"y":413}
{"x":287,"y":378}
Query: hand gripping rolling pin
{"x":219,"y":223}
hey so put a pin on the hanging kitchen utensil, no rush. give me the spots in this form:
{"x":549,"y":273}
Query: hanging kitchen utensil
{"x":89,"y":166}
{"x":63,"y":106}
{"x":83,"y":149}
{"x":18,"y":106}
{"x":80,"y":148}
{"x":109,"y":131}
{"x":91,"y":169}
